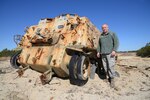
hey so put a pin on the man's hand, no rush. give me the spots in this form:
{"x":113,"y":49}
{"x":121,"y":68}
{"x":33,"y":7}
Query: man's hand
{"x":113,"y":53}
{"x":98,"y":55}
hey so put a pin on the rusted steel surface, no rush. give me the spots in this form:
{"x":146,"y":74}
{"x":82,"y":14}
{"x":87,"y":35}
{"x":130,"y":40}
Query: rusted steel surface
{"x":51,"y":43}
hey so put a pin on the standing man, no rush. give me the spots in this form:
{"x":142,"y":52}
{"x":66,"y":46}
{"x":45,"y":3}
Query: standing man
{"x":107,"y":47}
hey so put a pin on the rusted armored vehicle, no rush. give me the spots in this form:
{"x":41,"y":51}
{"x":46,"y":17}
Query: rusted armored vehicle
{"x":64,"y":46}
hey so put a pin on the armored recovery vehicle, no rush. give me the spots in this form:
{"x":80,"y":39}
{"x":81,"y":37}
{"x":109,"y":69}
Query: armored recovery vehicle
{"x":64,"y":46}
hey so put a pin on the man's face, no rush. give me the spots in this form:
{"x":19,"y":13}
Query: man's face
{"x":105,"y":28}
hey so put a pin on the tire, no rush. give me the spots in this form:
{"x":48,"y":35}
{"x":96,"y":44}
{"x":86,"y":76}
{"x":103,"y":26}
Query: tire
{"x":72,"y":67}
{"x":13,"y":60}
{"x":82,"y":68}
{"x":73,"y":72}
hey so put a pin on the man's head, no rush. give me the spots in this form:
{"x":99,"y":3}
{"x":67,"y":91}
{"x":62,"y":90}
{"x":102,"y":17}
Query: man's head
{"x":105,"y":28}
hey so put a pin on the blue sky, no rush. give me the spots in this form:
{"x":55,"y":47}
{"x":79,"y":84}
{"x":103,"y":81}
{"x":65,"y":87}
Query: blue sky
{"x":130,"y":19}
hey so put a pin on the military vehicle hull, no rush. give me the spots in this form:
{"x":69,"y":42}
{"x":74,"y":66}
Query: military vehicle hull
{"x":64,"y":45}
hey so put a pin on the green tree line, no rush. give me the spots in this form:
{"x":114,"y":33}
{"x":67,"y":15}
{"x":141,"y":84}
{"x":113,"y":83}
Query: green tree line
{"x":7,"y":53}
{"x":144,"y":51}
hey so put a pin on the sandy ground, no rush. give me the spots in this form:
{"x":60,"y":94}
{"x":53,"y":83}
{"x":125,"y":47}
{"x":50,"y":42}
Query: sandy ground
{"x":133,"y":84}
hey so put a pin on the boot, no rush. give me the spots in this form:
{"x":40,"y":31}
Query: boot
{"x":117,"y":74}
{"x":112,"y":83}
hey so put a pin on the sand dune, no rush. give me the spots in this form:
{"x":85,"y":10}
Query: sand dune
{"x":133,"y":84}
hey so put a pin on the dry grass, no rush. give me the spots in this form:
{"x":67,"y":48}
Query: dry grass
{"x":4,"y":58}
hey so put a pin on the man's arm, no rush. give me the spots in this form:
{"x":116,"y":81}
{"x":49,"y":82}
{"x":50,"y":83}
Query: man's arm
{"x":116,"y":42}
{"x":98,"y":48}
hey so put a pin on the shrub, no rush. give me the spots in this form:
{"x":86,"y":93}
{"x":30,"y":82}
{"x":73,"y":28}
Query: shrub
{"x":144,"y":52}
{"x":7,"y":53}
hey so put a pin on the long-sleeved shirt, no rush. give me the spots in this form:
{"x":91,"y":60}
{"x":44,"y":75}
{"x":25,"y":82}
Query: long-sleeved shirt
{"x":107,"y":43}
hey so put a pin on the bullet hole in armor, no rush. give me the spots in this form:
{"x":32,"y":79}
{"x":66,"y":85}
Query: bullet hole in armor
{"x":54,"y":62}
{"x":73,"y":26}
{"x":50,"y":40}
{"x":74,"y":42}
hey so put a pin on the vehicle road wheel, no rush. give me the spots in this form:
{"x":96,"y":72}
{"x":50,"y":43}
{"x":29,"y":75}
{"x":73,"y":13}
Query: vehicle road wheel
{"x":13,"y":60}
{"x":83,"y":68}
{"x":74,"y":79}
{"x":73,"y":67}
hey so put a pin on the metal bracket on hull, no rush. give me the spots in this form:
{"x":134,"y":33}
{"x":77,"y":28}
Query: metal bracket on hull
{"x":21,"y":71}
{"x":46,"y":76}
